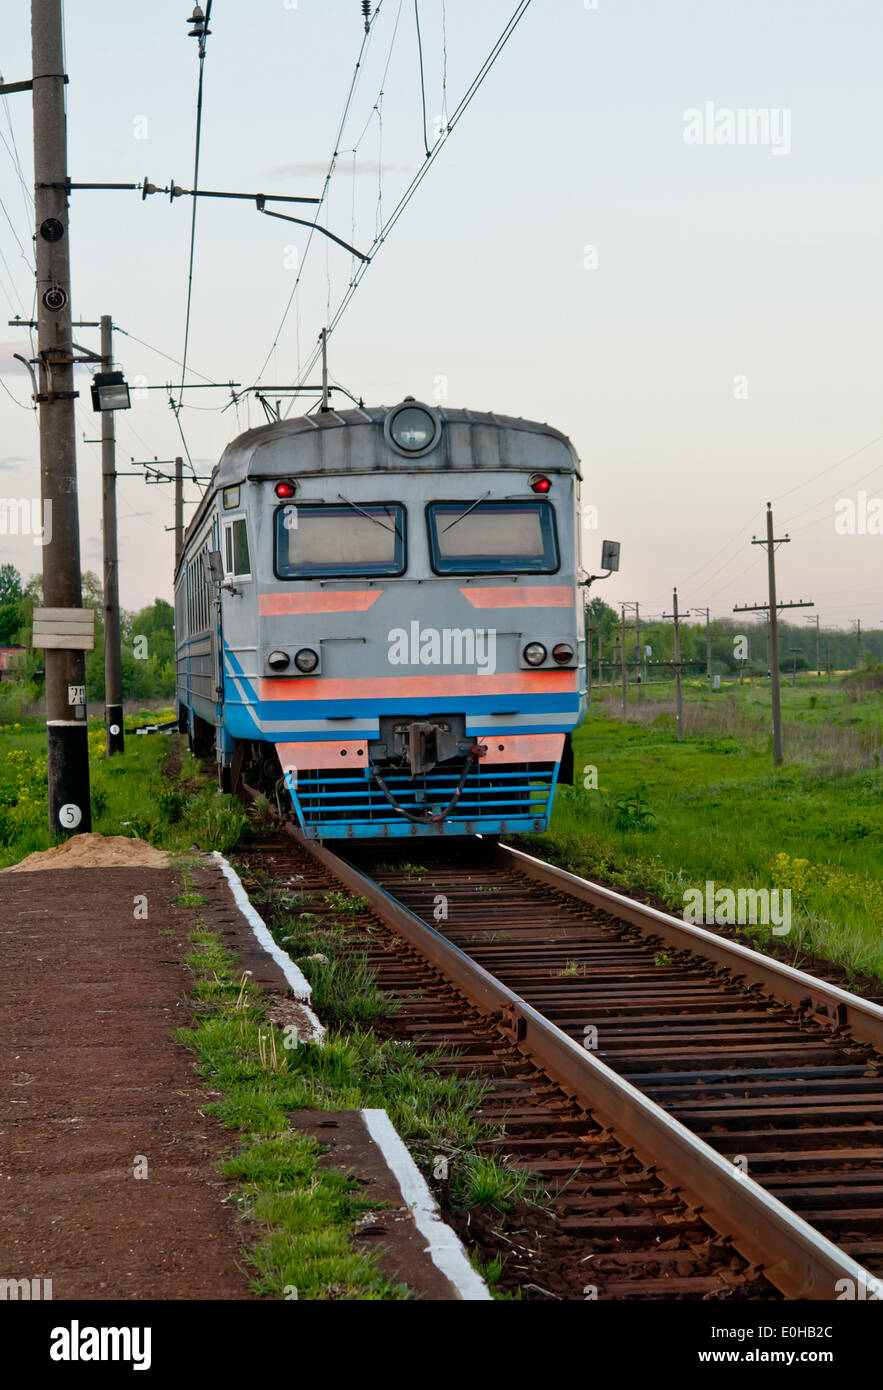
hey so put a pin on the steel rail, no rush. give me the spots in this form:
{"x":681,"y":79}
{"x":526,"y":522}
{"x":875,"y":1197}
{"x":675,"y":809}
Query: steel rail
{"x":793,"y":1256}
{"x":828,"y":1003}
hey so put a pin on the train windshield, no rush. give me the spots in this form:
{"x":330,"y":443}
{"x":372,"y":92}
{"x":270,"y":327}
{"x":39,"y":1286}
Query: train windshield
{"x":490,"y":537}
{"x":317,"y":540}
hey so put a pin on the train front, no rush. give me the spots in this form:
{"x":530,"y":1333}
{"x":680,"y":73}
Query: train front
{"x":421,"y":659}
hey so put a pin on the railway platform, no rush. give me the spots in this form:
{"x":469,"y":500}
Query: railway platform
{"x":109,"y":1169}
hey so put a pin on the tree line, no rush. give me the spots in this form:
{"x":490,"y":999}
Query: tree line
{"x":148,"y":640}
{"x":836,"y":645}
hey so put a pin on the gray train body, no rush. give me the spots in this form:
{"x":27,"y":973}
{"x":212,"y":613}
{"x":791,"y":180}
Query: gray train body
{"x":379,"y":621}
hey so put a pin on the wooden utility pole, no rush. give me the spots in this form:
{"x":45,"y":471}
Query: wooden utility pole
{"x":679,"y":704}
{"x":817,"y":621}
{"x":113,"y":664}
{"x":66,"y":744}
{"x":858,"y":650}
{"x":624,"y":675}
{"x":707,"y":614}
{"x":772,"y":610}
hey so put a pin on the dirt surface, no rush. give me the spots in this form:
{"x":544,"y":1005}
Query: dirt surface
{"x":95,"y":1084}
{"x":93,"y":852}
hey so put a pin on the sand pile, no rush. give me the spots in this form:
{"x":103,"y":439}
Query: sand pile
{"x":94,"y":852}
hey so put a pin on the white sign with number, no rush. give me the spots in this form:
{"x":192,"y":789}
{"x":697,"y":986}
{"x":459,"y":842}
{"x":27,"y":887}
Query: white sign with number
{"x":76,"y":694}
{"x":70,"y":816}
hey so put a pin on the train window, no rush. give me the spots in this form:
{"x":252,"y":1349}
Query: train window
{"x":236,"y":559}
{"x":314,"y":540}
{"x":490,"y":537}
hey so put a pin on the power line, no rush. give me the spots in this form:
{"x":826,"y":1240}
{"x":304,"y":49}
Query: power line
{"x":418,"y":178}
{"x":158,"y":351}
{"x":422,"y":81}
{"x":200,"y":32}
{"x":15,"y":398}
{"x":366,"y":39}
{"x":829,"y":468}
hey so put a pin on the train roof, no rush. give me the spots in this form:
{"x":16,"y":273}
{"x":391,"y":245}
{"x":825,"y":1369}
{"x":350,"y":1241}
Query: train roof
{"x":353,"y":441}
{"x":327,"y":443}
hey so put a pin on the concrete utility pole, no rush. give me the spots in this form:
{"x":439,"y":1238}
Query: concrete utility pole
{"x":679,"y":704}
{"x":66,"y":745}
{"x":179,"y":510}
{"x":113,"y":661}
{"x":858,"y":652}
{"x":153,"y":474}
{"x":600,"y":668}
{"x":772,"y":611}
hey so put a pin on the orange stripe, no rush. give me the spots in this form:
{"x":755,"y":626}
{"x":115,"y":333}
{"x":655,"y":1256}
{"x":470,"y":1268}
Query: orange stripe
{"x":522,"y":748}
{"x":304,"y":757}
{"x":415,"y":687}
{"x":521,"y":596}
{"x":337,"y":601}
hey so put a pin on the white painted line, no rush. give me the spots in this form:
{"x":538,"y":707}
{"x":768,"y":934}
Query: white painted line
{"x":443,"y":1246}
{"x":297,"y":981}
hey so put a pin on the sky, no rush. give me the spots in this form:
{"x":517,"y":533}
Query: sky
{"x":603,"y":243}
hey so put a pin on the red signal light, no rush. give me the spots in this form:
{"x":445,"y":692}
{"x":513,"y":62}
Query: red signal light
{"x":539,"y":483}
{"x":285,"y":490}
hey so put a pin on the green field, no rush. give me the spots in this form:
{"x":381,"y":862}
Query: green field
{"x":647,"y":812}
{"x":132,"y":793}
{"x":665,"y":817}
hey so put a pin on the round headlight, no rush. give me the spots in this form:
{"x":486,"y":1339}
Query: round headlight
{"x":414,"y":429}
{"x":306,"y":660}
{"x":562,"y":653}
{"x":534,"y":653}
{"x":278,"y":661}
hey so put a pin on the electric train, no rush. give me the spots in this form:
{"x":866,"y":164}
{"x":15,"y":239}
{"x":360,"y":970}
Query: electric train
{"x":379,"y":620}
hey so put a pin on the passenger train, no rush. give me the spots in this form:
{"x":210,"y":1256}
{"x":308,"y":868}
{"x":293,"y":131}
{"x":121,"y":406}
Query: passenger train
{"x":379,"y":620}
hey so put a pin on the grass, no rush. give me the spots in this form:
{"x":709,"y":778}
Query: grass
{"x":305,"y":1215}
{"x":652,"y":814}
{"x":130,"y":795}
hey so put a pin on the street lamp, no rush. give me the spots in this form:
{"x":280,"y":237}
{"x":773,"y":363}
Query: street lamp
{"x":110,"y":391}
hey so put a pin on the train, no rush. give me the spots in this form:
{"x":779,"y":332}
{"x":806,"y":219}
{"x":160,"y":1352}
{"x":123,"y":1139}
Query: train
{"x":379,"y":620}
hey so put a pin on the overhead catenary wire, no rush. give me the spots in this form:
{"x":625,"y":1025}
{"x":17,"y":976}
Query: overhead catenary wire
{"x":410,"y":191}
{"x":422,"y":78}
{"x":370,"y":25}
{"x":199,"y":89}
{"x":159,"y":352}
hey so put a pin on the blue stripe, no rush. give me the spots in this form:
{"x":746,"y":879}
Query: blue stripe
{"x":567,"y":703}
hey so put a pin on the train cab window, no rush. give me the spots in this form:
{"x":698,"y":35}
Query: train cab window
{"x":236,"y":558}
{"x":323,"y":539}
{"x":491,"y":537}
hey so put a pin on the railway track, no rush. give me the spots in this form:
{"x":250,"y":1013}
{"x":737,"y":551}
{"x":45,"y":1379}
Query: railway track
{"x":778,"y":1072}
{"x":603,"y":1223}
{"x":752,"y":1092}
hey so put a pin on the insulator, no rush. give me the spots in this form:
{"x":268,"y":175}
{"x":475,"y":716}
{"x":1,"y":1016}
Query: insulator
{"x":366,"y":11}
